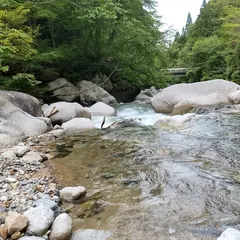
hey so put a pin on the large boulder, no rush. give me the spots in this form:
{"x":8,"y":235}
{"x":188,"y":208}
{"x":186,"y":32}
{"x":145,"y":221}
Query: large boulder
{"x":77,"y":125}
{"x":212,"y":99}
{"x":104,"y":81}
{"x":27,"y":103}
{"x":102,"y":109}
{"x":168,"y":98}
{"x":65,"y":111}
{"x":63,"y":90}
{"x":91,"y":93}
{"x":16,"y":123}
{"x":146,"y":95}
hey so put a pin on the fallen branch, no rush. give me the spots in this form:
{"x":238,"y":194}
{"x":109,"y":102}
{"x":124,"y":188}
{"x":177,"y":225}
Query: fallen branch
{"x":52,"y":112}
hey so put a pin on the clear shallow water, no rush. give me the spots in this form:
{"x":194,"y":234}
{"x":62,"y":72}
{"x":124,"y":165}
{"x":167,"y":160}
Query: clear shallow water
{"x":184,"y":181}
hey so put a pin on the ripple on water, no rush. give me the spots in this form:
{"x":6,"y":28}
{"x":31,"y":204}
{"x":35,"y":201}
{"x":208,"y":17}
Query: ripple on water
{"x":184,"y":183}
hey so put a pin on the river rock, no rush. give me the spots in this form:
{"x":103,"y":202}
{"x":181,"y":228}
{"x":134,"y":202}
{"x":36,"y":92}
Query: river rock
{"x":213,"y":99}
{"x":3,"y":232}
{"x":77,"y":125}
{"x":102,"y":109}
{"x":63,"y":90}
{"x":234,"y":97}
{"x":40,"y":219}
{"x":146,"y":95}
{"x":32,"y":156}
{"x":168,"y":98}
{"x":16,"y":236}
{"x":230,"y":234}
{"x":20,"y":150}
{"x":23,"y":101}
{"x":69,"y":194}
{"x":142,"y":98}
{"x":91,"y":93}
{"x":66,"y":111}
{"x":47,"y":203}
{"x":15,"y":222}
{"x":90,"y":234}
{"x":174,"y":121}
{"x":15,"y":123}
{"x":8,"y":155}
{"x":61,"y":228}
{"x":31,"y":238}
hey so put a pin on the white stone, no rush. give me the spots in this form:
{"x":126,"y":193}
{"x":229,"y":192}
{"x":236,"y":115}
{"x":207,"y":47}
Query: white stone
{"x":77,"y":125}
{"x":72,"y":193}
{"x":32,"y":156}
{"x":40,"y":219}
{"x":61,"y":228}
{"x":11,"y":180}
{"x":230,"y":234}
{"x":20,"y":150}
{"x":9,"y":155}
{"x":169,"y":97}
{"x":102,"y":109}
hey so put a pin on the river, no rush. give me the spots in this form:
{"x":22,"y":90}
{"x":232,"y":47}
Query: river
{"x":175,"y":181}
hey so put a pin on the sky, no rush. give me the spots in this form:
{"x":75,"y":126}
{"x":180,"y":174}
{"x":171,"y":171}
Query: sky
{"x":174,"y":12}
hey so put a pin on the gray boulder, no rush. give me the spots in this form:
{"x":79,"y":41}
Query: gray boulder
{"x":61,"y":228}
{"x":168,"y":98}
{"x":92,"y":93}
{"x":146,"y":95}
{"x":102,"y":109}
{"x":40,"y":219}
{"x":212,"y":99}
{"x":16,"y":124}
{"x":142,"y":98}
{"x":77,"y":125}
{"x":65,"y":112}
{"x":63,"y":90}
{"x":102,"y":78}
{"x":27,"y":103}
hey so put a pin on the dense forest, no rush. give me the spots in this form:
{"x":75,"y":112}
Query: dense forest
{"x":41,"y":40}
{"x":210,"y":47}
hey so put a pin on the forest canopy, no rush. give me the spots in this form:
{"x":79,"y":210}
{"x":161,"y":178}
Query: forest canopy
{"x":41,"y":40}
{"x":210,"y":48}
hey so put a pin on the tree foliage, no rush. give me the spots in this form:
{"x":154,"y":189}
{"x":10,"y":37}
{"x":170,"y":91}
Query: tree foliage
{"x":211,"y":47}
{"x":78,"y":39}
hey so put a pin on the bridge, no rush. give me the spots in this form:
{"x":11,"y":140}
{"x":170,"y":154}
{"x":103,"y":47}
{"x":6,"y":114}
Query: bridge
{"x":177,"y":71}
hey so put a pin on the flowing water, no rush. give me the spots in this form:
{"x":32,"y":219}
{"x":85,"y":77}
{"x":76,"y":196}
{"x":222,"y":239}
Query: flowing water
{"x":145,"y":182}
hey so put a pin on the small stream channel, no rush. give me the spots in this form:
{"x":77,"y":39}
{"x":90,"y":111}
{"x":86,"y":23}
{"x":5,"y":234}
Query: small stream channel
{"x":153,"y":183}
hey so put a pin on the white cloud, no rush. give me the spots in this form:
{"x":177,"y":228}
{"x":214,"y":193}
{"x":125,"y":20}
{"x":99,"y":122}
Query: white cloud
{"x":174,"y":12}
